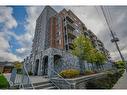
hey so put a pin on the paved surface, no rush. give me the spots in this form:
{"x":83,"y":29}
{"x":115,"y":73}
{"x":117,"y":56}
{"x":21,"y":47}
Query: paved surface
{"x":122,"y":82}
{"x":34,"y":79}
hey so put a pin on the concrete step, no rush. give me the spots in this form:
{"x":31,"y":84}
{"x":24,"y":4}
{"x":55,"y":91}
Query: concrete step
{"x":51,"y":87}
{"x":42,"y":85}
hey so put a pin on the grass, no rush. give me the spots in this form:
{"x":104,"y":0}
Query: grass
{"x":3,"y":82}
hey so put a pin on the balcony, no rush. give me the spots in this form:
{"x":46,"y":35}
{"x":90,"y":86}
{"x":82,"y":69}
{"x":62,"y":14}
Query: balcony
{"x":68,"y":18}
{"x":71,"y":34}
{"x":70,"y":25}
{"x":70,"y":40}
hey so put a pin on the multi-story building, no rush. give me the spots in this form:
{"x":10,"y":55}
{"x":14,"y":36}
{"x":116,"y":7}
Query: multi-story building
{"x":6,"y":67}
{"x":54,"y":35}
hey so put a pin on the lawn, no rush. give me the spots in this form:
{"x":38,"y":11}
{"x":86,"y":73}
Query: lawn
{"x":3,"y":82}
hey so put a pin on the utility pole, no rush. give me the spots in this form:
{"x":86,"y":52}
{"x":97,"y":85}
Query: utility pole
{"x":114,"y":38}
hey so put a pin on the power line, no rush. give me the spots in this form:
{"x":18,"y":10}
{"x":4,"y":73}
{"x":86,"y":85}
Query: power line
{"x":100,"y":14}
{"x":115,"y":39}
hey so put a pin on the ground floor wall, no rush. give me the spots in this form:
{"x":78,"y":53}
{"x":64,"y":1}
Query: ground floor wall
{"x":50,"y":60}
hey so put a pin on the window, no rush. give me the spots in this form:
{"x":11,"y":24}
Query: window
{"x":77,"y":30}
{"x":57,"y":34}
{"x":58,"y":20}
{"x":66,"y":47}
{"x":58,"y":42}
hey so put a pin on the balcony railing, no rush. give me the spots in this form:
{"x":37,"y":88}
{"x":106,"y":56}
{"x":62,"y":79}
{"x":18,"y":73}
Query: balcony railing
{"x":70,"y":41}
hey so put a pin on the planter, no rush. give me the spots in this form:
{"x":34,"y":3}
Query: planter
{"x":76,"y":83}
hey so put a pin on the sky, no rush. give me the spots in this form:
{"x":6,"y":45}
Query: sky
{"x":17,"y":28}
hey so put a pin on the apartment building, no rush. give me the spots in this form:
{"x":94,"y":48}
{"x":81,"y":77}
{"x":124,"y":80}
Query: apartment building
{"x":54,"y":35}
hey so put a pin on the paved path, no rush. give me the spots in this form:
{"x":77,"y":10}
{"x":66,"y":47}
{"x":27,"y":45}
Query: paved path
{"x":34,"y":79}
{"x":122,"y":82}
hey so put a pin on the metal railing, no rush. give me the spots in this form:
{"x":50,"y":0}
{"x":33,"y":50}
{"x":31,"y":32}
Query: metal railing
{"x":59,"y":76}
{"x":26,"y":82}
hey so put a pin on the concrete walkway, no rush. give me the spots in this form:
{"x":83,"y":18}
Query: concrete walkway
{"x":122,"y":82}
{"x":34,"y":79}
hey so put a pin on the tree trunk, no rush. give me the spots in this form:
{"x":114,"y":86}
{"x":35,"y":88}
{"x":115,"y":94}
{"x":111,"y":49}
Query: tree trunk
{"x":81,"y":66}
{"x":92,"y":67}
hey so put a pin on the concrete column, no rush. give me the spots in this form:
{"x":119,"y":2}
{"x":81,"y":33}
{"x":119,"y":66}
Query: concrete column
{"x":50,"y":65}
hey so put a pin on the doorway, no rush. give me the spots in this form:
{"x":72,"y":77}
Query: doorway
{"x":36,"y":67}
{"x":45,"y":65}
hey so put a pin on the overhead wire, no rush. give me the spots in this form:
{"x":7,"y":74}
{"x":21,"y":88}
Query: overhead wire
{"x":115,"y":39}
{"x":108,"y":20}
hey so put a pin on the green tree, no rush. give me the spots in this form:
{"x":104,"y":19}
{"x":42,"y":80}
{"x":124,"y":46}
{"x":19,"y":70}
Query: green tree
{"x":81,"y":47}
{"x":101,"y":58}
{"x":18,"y":65}
{"x":120,"y":64}
{"x":84,"y":50}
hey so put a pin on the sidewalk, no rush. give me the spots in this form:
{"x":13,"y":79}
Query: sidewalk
{"x":34,"y":79}
{"x":122,"y":82}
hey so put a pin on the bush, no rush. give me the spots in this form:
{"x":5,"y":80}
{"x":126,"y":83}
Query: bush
{"x":3,"y":82}
{"x":106,"y":82}
{"x":69,"y":73}
{"x":30,"y":73}
{"x":88,"y":72}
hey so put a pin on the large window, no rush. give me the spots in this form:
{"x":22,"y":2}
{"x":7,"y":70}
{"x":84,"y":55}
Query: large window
{"x":58,"y":34}
{"x":58,"y":42}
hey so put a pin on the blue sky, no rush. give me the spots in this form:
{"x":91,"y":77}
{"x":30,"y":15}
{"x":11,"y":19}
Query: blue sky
{"x":19,"y":13}
{"x":17,"y":27}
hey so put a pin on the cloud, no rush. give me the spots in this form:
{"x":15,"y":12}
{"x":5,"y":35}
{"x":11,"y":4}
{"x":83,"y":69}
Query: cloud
{"x":8,"y":22}
{"x":7,"y":18}
{"x":21,"y":50}
{"x":5,"y":53}
{"x":91,"y":16}
{"x":26,"y":39}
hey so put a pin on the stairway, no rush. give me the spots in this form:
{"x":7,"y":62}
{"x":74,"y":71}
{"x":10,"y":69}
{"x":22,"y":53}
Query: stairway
{"x":42,"y":85}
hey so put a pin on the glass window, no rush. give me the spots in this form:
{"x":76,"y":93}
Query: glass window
{"x":58,"y":20}
{"x":58,"y":42}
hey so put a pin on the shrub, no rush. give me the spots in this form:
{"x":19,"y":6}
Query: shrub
{"x":88,"y":72}
{"x":69,"y":73}
{"x":3,"y":82}
{"x":30,"y":73}
{"x":106,"y":82}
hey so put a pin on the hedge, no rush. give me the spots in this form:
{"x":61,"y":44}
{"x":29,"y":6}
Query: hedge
{"x":69,"y":73}
{"x":3,"y":82}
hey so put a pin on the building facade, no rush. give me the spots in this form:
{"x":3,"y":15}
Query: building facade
{"x":6,"y":67}
{"x":54,"y":35}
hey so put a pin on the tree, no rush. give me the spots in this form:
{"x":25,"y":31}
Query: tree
{"x":120,"y":64}
{"x":18,"y":65}
{"x":101,"y":58}
{"x":84,"y":50}
{"x":81,"y":47}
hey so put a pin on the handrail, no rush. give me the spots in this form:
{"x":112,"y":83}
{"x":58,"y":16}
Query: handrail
{"x":28,"y":77}
{"x":61,"y":77}
{"x":55,"y":84}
